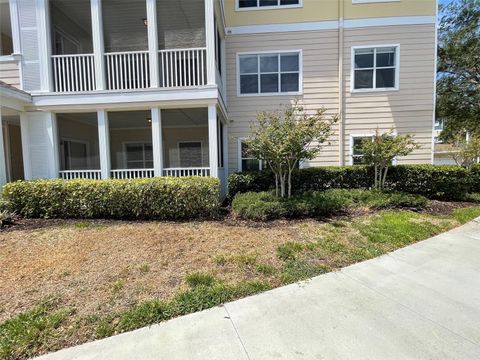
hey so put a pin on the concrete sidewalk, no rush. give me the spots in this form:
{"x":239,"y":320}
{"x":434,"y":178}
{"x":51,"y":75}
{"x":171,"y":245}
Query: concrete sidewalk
{"x":420,"y":302}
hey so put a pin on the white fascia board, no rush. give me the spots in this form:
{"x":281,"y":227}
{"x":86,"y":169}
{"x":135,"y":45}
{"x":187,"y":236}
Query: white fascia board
{"x":331,"y":25}
{"x":126,"y":99}
{"x":13,"y":99}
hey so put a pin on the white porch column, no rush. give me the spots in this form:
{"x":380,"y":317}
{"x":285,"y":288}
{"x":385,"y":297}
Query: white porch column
{"x":98,"y":44}
{"x":157,"y":141}
{"x":225,"y":149}
{"x":44,"y":44}
{"x":153,"y":42}
{"x":104,"y":143}
{"x":52,"y":134}
{"x":212,"y":140}
{"x":3,"y":160}
{"x":210,"y":34}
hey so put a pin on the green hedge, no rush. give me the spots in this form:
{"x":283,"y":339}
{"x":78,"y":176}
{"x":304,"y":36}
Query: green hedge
{"x":157,"y":198}
{"x":442,"y":182}
{"x":266,"y":206}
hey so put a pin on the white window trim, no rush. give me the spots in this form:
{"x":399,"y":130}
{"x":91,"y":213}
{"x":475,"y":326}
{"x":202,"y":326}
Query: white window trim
{"x":240,"y":158}
{"x":372,"y":1}
{"x":352,"y":136}
{"x":397,"y":69}
{"x":274,"y":7}
{"x":273,"y":52}
{"x":188,"y":142}
{"x":124,"y":146}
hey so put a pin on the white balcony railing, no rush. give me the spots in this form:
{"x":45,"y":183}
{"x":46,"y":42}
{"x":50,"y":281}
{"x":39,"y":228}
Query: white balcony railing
{"x":127,"y":70}
{"x":73,"y":72}
{"x":182,"y":172}
{"x":80,"y":174}
{"x":132,"y":173}
{"x":182,"y":67}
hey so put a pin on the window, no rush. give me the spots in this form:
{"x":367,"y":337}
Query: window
{"x":356,"y":149}
{"x":190,"y":153}
{"x":438,"y":124}
{"x":375,"y":68}
{"x":246,"y":4}
{"x":275,"y":73}
{"x":139,"y":156}
{"x":247,"y":163}
{"x":75,"y":155}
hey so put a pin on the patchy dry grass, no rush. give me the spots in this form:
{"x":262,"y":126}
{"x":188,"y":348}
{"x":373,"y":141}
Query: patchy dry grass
{"x":110,"y":277}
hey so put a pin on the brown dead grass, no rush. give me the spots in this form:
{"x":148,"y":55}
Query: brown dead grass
{"x":100,"y":268}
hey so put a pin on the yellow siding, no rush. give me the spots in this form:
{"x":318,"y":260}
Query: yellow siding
{"x":324,"y":10}
{"x":409,"y":110}
{"x":10,"y":73}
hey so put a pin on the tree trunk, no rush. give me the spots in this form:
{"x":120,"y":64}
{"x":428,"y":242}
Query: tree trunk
{"x":282,"y":184}
{"x":289,"y":183}
{"x":375,"y":185}
{"x":384,"y":177}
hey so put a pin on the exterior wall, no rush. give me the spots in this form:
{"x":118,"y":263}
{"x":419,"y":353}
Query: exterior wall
{"x":326,"y":10}
{"x":408,"y":110}
{"x":15,"y":152}
{"x":171,"y":137}
{"x":10,"y":73}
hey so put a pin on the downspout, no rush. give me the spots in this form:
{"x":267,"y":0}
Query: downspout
{"x":341,"y":105}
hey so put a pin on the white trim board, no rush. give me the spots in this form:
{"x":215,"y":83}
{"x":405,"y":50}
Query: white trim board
{"x":331,"y":25}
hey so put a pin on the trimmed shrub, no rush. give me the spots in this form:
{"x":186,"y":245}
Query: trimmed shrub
{"x":266,"y":206}
{"x":156,"y":198}
{"x":442,"y":182}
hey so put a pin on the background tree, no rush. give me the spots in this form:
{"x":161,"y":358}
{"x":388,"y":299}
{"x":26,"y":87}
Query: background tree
{"x":283,"y":140}
{"x":382,"y":150}
{"x":458,"y":85}
{"x":467,"y":150}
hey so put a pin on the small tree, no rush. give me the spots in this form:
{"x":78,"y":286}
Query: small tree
{"x":283,"y":140}
{"x":468,"y":150}
{"x":383,"y":150}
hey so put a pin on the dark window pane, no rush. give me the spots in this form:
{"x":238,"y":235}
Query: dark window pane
{"x":148,"y":153}
{"x":363,"y":59}
{"x":269,"y":83}
{"x":268,"y":2}
{"x":134,"y":152}
{"x":358,"y":160}
{"x":248,"y":64}
{"x":289,"y":82}
{"x":248,"y":84}
{"x":363,"y":79}
{"x":289,"y":2}
{"x":385,"y":78}
{"x":289,"y":62}
{"x":247,"y":3}
{"x":269,"y":63}
{"x":385,"y":57}
{"x":250,"y":164}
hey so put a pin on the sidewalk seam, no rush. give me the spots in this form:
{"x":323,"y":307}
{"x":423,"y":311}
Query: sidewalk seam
{"x":236,"y":332}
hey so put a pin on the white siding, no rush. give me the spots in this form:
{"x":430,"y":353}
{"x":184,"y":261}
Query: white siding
{"x":10,"y":73}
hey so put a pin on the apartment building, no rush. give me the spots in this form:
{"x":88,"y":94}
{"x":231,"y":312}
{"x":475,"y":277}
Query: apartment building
{"x":140,"y":88}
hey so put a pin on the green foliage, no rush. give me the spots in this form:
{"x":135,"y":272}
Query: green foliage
{"x":473,"y":197}
{"x":299,"y":270}
{"x":458,"y":85}
{"x":25,"y":333}
{"x":156,"y":198}
{"x":265,"y":269}
{"x":282,"y":140}
{"x":382,"y":150}
{"x":198,"y":298}
{"x":289,"y":250}
{"x":6,"y":217}
{"x":467,"y":153}
{"x":199,"y":279}
{"x":440,"y":182}
{"x":465,"y":215}
{"x":396,"y":229}
{"x":266,"y":206}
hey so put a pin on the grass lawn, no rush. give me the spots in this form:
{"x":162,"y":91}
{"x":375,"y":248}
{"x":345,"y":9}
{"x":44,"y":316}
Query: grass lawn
{"x":63,"y":283}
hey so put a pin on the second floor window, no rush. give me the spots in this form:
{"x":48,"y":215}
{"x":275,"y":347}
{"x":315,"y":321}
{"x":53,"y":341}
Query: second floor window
{"x":275,"y":73}
{"x":244,"y":4}
{"x":375,"y":68}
